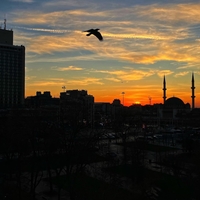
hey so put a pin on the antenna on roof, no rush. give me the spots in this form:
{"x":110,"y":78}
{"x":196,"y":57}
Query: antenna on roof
{"x":5,"y":23}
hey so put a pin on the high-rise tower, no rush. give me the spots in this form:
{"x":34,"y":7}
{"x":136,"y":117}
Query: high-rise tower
{"x":12,"y":71}
{"x":193,"y":88}
{"x":164,"y":90}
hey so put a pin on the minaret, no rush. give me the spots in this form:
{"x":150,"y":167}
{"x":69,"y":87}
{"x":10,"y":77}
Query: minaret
{"x":193,"y":88}
{"x":164,"y":90}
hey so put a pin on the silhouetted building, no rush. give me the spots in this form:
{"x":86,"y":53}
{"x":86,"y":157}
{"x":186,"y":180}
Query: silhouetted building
{"x":102,"y":108}
{"x":12,"y":71}
{"x":102,"y":113}
{"x":41,"y":100}
{"x":77,"y":107}
{"x":6,"y":37}
{"x":116,"y":102}
{"x":173,"y":109}
{"x":194,"y":117}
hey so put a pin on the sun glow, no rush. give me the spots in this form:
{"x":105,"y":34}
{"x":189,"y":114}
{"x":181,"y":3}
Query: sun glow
{"x":137,"y":102}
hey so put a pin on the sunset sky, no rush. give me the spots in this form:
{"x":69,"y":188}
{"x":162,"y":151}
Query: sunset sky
{"x":143,"y":41}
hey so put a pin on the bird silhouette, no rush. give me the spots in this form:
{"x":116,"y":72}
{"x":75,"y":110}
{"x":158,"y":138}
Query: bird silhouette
{"x":94,"y":32}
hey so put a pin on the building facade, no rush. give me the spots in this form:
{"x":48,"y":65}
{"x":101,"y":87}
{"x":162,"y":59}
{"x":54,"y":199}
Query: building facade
{"x":12,"y":71}
{"x":77,"y":106}
{"x":41,"y":100}
{"x":173,"y":111}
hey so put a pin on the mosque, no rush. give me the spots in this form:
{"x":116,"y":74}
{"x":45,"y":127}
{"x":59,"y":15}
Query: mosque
{"x":174,"y":107}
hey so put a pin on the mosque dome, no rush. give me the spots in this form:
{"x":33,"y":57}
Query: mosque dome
{"x":174,"y":102}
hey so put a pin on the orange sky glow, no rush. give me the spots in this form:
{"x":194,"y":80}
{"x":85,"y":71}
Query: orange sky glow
{"x":142,"y":42}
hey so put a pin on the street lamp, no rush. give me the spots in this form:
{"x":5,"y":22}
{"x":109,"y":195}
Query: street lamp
{"x":63,"y":87}
{"x":123,"y":93}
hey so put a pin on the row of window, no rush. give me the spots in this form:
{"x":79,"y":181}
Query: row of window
{"x":14,"y":56}
{"x":10,"y":102}
{"x":12,"y":88}
{"x":9,"y":62}
{"x":11,"y":68}
{"x":11,"y":81}
{"x":9,"y":76}
{"x":14,"y":93}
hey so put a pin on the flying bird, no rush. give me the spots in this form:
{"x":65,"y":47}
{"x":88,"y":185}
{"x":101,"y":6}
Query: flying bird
{"x":94,"y":32}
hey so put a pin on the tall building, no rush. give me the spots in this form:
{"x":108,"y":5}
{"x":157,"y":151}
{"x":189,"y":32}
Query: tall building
{"x":12,"y":71}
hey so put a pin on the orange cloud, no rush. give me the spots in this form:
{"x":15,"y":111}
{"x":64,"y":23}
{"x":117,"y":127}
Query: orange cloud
{"x":69,"y":68}
{"x":181,"y":73}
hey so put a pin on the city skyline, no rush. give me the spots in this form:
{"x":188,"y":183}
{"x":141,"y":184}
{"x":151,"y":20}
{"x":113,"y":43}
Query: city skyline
{"x":142,"y":43}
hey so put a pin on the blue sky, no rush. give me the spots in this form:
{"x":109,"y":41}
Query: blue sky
{"x":143,"y":41}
